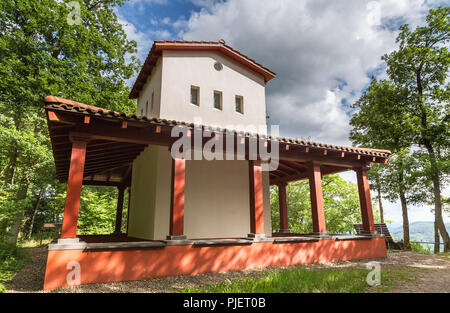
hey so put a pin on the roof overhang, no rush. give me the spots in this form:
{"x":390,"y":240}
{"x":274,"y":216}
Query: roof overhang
{"x":116,"y":139}
{"x":159,"y":46}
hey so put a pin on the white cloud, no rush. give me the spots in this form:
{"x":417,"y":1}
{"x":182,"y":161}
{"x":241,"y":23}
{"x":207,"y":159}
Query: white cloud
{"x":144,"y":39}
{"x":321,"y":50}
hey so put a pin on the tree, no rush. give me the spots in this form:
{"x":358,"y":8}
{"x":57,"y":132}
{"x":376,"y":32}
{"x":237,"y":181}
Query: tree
{"x":376,"y":183}
{"x":378,"y":123}
{"x":341,"y":205}
{"x":420,"y":67}
{"x":43,"y":54}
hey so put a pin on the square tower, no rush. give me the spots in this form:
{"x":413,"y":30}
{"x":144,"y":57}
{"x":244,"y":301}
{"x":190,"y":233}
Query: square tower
{"x":206,"y":83}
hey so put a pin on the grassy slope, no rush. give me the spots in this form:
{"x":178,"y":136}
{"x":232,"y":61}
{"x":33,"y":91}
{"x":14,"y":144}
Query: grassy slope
{"x":310,"y":280}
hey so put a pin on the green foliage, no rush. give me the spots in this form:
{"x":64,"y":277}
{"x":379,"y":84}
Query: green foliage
{"x":12,"y":259}
{"x":97,"y":213}
{"x":341,"y":205}
{"x":42,"y":54}
{"x":417,"y":247}
{"x":408,"y":114}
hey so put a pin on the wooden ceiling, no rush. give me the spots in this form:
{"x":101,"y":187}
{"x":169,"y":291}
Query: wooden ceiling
{"x":116,"y":139}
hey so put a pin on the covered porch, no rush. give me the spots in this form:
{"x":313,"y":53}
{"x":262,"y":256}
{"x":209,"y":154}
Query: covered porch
{"x":94,"y":146}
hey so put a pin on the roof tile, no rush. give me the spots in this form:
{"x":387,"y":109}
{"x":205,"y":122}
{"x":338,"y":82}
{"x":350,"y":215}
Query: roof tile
{"x":53,"y":102}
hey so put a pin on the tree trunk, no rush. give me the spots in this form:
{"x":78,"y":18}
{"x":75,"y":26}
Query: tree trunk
{"x":10,"y":174}
{"x":437,"y":239}
{"x":18,"y":219}
{"x":435,"y":176}
{"x":380,"y":204}
{"x":406,"y":243}
{"x":437,"y":199}
{"x":402,"y":195}
{"x":36,"y":208}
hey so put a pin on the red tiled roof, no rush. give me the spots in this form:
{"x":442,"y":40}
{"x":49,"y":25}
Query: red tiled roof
{"x":53,"y":102}
{"x":220,"y":45}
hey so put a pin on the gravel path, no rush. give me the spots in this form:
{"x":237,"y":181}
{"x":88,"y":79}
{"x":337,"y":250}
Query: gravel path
{"x":430,"y":274}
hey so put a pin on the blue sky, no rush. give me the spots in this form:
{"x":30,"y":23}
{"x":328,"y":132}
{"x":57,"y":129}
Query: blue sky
{"x":158,"y":15}
{"x":324,"y":53}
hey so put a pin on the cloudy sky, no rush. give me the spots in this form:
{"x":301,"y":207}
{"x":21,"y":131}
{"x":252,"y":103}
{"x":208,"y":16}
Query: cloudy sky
{"x":323,"y":51}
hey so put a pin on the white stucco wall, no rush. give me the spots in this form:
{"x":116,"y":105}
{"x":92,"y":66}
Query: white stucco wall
{"x":153,"y":85}
{"x":150,"y":194}
{"x":217,"y":192}
{"x":143,"y":191}
{"x":216,"y":198}
{"x":182,"y":69}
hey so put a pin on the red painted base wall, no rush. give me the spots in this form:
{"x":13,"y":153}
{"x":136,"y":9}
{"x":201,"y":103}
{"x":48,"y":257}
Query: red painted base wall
{"x":136,"y":264}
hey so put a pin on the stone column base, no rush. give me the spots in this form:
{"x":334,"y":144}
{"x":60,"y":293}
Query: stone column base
{"x":179,"y":237}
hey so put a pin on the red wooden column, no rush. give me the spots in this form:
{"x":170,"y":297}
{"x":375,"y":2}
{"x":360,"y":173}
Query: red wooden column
{"x":282,"y":201}
{"x":74,"y":183}
{"x":119,"y":213}
{"x":364,"y":199}
{"x":177,"y":200}
{"x":315,"y":189}
{"x":256,"y":199}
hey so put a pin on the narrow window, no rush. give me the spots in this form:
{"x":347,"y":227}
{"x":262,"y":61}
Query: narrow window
{"x":151,"y":104}
{"x":240,"y":104}
{"x":146,"y":108}
{"x":218,"y":100}
{"x":195,"y":93}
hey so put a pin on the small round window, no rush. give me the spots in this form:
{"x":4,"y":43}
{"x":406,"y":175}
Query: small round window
{"x":218,"y":66}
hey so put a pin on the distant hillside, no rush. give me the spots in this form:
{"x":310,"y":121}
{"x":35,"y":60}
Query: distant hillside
{"x":418,"y":231}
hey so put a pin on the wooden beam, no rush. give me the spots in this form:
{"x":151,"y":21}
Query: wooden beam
{"x":129,"y":135}
{"x":92,"y":170}
{"x":256,"y":198}
{"x":315,"y":185}
{"x":177,"y":199}
{"x":282,"y":201}
{"x":305,"y":175}
{"x":364,"y":199}
{"x":294,"y":165}
{"x":99,"y":151}
{"x":104,"y":160}
{"x":75,"y":180}
{"x":287,"y":168}
{"x":330,"y":160}
{"x":100,"y":183}
{"x":64,"y":118}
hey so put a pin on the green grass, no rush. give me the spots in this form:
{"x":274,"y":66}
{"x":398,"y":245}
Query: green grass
{"x":294,"y":280}
{"x":392,"y":276}
{"x":301,"y":280}
{"x":12,"y":259}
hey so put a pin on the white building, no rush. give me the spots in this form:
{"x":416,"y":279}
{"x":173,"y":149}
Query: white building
{"x":205,"y":83}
